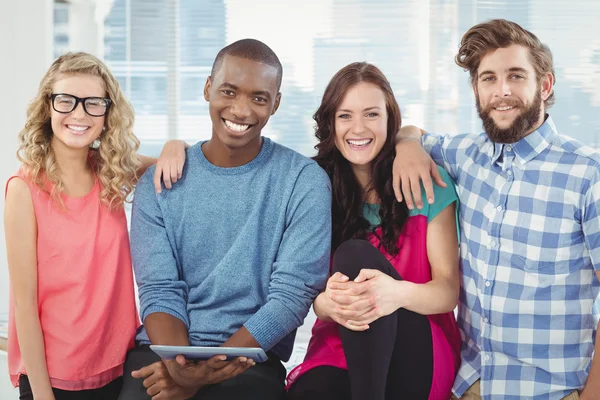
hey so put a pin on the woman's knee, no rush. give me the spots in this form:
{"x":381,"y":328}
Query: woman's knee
{"x":356,"y":254}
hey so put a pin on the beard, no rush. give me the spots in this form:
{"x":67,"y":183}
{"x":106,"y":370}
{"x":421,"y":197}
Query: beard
{"x":524,"y":122}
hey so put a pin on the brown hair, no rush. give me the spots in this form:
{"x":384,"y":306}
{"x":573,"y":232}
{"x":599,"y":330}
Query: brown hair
{"x":348,"y":195}
{"x":500,"y":33}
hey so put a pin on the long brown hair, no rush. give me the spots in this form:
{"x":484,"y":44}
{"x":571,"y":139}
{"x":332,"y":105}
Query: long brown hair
{"x":348,"y":196}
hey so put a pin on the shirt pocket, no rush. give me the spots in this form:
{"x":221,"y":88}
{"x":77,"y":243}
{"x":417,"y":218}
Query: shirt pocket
{"x":549,"y":253}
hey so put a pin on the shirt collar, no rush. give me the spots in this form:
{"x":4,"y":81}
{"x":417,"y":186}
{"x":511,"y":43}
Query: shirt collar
{"x":531,"y":145}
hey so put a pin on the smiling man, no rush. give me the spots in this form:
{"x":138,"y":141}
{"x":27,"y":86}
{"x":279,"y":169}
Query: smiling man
{"x":530,"y":228}
{"x":236,"y":252}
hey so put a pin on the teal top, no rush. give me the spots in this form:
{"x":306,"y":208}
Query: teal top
{"x":443,"y":198}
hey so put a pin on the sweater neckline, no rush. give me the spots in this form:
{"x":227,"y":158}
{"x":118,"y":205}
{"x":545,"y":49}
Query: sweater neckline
{"x":263,"y":155}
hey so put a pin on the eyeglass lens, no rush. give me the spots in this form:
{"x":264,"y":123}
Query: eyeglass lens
{"x":93,"y":106}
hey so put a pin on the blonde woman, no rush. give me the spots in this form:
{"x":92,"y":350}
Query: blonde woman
{"x":72,"y":310}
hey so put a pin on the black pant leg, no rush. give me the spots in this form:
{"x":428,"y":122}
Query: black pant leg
{"x":392,"y":359}
{"x":109,"y":391}
{"x":322,"y":383}
{"x":411,"y":370}
{"x":25,"y":392}
{"x":368,"y":353}
{"x":133,"y":389}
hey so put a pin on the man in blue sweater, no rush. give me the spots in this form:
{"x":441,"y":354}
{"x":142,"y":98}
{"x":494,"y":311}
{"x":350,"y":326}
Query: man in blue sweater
{"x":236,"y":252}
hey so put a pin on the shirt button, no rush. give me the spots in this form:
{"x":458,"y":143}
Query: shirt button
{"x":509,"y":172}
{"x":485,"y":320}
{"x":499,"y":208}
{"x":493,"y":244}
{"x":508,"y":148}
{"x":487,"y":283}
{"x":487,"y":357}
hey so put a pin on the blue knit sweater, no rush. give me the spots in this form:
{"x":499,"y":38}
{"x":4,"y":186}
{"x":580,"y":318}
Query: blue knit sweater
{"x":231,"y":247}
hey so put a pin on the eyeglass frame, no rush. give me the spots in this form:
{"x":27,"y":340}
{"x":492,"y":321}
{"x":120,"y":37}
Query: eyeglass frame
{"x":81,"y":100}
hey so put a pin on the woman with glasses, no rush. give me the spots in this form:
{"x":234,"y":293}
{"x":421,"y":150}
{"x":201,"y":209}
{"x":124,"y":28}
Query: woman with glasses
{"x":72,"y":308}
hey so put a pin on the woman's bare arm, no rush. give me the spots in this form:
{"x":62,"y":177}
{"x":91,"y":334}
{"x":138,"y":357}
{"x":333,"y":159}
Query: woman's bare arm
{"x":20,"y":229}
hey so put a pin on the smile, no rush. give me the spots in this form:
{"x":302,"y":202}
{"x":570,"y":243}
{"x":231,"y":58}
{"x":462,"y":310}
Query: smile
{"x":238,"y":128}
{"x":359,"y":142}
{"x":505,"y":108}
{"x":78,"y":129}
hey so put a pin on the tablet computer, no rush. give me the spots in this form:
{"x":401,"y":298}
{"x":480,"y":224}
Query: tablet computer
{"x":204,"y":353}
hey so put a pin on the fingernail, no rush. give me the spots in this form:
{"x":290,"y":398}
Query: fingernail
{"x":410,"y":207}
{"x":430,"y":200}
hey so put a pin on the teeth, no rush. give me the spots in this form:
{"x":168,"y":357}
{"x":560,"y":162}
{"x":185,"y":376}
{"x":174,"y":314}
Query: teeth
{"x":236,"y":127}
{"x":361,"y":142}
{"x":504,"y":108}
{"x":77,"y":128}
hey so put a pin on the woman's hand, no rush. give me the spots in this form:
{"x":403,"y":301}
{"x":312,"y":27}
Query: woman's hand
{"x":372,"y":295}
{"x":344,"y":301}
{"x":387,"y":295}
{"x":170,"y":164}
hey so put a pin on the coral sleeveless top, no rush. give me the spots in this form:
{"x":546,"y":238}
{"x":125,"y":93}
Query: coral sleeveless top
{"x":86,"y":298}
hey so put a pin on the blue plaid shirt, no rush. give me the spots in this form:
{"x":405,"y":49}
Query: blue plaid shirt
{"x":530,"y":243}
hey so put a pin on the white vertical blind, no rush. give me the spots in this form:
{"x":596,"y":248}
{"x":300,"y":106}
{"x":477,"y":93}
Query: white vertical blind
{"x":162,"y":51}
{"x":173,"y":63}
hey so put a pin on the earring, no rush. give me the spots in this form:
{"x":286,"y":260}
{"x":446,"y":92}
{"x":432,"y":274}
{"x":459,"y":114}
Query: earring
{"x":95,"y":144}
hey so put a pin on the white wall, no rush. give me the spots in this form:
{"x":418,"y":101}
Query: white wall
{"x":25,"y":54}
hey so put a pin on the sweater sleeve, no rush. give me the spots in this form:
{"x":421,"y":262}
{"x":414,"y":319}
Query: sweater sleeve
{"x":300,"y":270}
{"x":160,"y":286}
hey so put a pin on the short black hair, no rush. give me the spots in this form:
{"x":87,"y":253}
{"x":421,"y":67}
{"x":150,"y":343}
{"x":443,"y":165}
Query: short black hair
{"x":250,"y":49}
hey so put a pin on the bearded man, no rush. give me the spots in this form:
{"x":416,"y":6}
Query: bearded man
{"x":530,"y":229}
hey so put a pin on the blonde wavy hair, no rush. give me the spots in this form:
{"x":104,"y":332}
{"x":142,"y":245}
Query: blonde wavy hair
{"x":115,"y":162}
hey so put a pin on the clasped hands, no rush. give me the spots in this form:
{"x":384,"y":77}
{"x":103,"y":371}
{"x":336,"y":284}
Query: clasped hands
{"x":180,"y":379}
{"x":356,"y":304}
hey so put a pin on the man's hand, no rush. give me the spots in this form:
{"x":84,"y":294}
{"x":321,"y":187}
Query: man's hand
{"x":411,"y":166}
{"x":159,"y":384}
{"x":191,"y":374}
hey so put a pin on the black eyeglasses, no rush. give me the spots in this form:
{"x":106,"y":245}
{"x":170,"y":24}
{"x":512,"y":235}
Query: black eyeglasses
{"x":94,"y":106}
